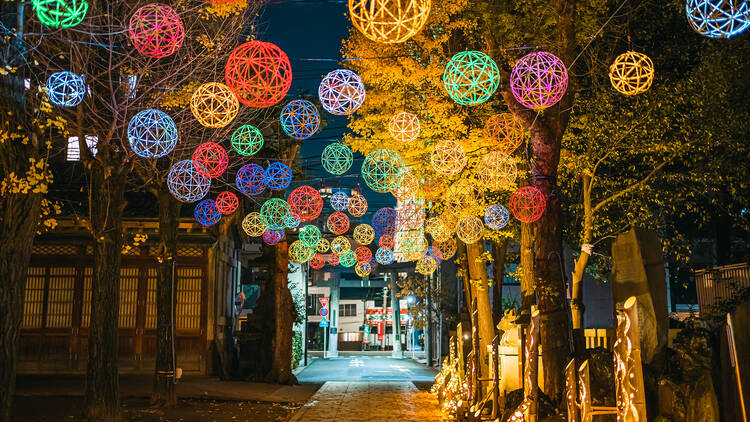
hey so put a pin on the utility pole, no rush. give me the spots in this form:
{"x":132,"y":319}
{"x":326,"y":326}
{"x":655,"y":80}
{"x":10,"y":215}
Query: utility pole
{"x":385,"y":313}
{"x":396,"y":307}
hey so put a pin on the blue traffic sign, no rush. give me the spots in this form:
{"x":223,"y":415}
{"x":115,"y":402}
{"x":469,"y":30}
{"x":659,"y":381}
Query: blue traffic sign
{"x":323,"y":323}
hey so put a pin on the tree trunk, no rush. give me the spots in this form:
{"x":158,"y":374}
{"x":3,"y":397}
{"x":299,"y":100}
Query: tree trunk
{"x":528,"y":285}
{"x":478,"y":274}
{"x":165,"y":392}
{"x":464,"y":273}
{"x":281,"y":369}
{"x":499,"y":250}
{"x":106,"y":203}
{"x":576,"y":302}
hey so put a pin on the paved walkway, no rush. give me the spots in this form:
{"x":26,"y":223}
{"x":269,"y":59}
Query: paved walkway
{"x":369,"y":401}
{"x":365,"y":368}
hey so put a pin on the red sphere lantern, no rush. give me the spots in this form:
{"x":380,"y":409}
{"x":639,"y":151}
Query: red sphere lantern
{"x":527,"y":204}
{"x":317,"y":262}
{"x":306,"y":202}
{"x":363,"y":254}
{"x":386,"y":241}
{"x":259,"y":74}
{"x":213,"y":159}
{"x":333,"y":259}
{"x":227,"y":202}
{"x":338,"y":223}
{"x":156,"y":30}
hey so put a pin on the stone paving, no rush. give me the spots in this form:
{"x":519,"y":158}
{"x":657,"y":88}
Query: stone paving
{"x":361,"y":401}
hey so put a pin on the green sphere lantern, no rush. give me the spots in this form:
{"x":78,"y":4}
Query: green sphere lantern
{"x":247,"y":140}
{"x":383,"y":170}
{"x":273,"y":213}
{"x":309,"y":236}
{"x":471,"y":77}
{"x":348,"y":258}
{"x":337,"y":158}
{"x":60,"y":13}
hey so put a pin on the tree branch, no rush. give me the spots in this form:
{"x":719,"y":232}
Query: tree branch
{"x":629,"y":188}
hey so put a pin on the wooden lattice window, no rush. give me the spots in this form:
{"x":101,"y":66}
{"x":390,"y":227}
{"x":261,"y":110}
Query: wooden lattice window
{"x":60,"y":297}
{"x":188,"y":303}
{"x":128,"y":296}
{"x":54,"y":250}
{"x":86,"y":310}
{"x":189,"y":251}
{"x":151,"y":299}
{"x":33,"y":305}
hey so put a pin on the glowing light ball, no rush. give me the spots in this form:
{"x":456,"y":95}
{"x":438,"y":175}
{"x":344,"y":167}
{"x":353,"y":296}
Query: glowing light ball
{"x":291,"y":221}
{"x":339,"y":201}
{"x":384,"y":256}
{"x":273,"y":213}
{"x":504,"y":131}
{"x":384,"y":221}
{"x":445,"y":249}
{"x":385,"y":241}
{"x":469,"y":229}
{"x":632,"y":73}
{"x":187,"y":184}
{"x":363,"y":254}
{"x":408,"y":189}
{"x":259,"y":73}
{"x":439,"y":230}
{"x":278,"y":176}
{"x":348,"y":259}
{"x":338,"y":223}
{"x":253,"y":225}
{"x":333,"y":259}
{"x":340,"y":245}
{"x":341,"y":92}
{"x":496,"y":170}
{"x":471,"y":77}
{"x":718,"y":18}
{"x":527,"y":204}
{"x":214,"y":105}
{"x":152,"y":134}
{"x":323,"y":245}
{"x":363,"y":234}
{"x":404,"y":126}
{"x":448,"y":158}
{"x":464,"y":197}
{"x":300,"y":253}
{"x":300,"y":119}
{"x":247,"y":140}
{"x":389,"y":21}
{"x":156,"y":30}
{"x":383,"y":170}
{"x":60,"y":13}
{"x":337,"y":158}
{"x":306,"y":202}
{"x":310,"y":236}
{"x":363,"y":269}
{"x":426,"y":265}
{"x":318,"y":261}
{"x":206,"y":212}
{"x":210,"y":159}
{"x":496,"y":217}
{"x":251,"y":179}
{"x":539,"y":80}
{"x":227,"y":202}
{"x":433,"y":187}
{"x":410,"y":215}
{"x":273,"y":237}
{"x":357,"y":205}
{"x":65,"y":89}
{"x":412,"y":245}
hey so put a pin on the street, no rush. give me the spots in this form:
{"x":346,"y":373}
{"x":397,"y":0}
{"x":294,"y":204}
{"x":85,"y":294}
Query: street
{"x":365,"y":368}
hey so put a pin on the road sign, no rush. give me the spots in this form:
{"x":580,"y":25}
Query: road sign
{"x":323,"y":312}
{"x":323,"y":323}
{"x":323,"y":301}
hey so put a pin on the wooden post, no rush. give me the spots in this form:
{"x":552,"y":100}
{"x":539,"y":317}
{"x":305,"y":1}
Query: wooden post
{"x":583,"y":388}
{"x":735,"y":363}
{"x":531,"y":375}
{"x":476,"y":368}
{"x":496,"y":409}
{"x":571,"y":391}
{"x":460,"y":353}
{"x":631,"y":397}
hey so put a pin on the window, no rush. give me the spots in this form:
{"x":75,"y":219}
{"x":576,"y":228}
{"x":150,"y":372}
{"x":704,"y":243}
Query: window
{"x":348,"y":309}
{"x":74,"y":152}
{"x":313,"y":303}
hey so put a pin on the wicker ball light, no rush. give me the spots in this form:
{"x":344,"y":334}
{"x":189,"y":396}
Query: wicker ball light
{"x":438,"y":229}
{"x":383,"y":170}
{"x":317,"y":262}
{"x":338,"y":223}
{"x":227,"y":202}
{"x":60,"y":13}
{"x":340,"y":244}
{"x":404,"y":126}
{"x":632,"y":73}
{"x":464,"y":197}
{"x":210,"y":159}
{"x":273,"y":213}
{"x":310,"y":236}
{"x":152,"y":134}
{"x":471,"y":77}
{"x":426,"y":265}
{"x":505,"y":132}
{"x":278,"y":176}
{"x":306,"y":202}
{"x":337,"y":158}
{"x":156,"y":30}
{"x":412,"y":245}
{"x":187,"y":184}
{"x":496,"y":170}
{"x":448,"y":158}
{"x":273,"y":237}
{"x":363,"y":254}
{"x":385,"y":241}
{"x":362,"y":269}
{"x":445,"y":249}
{"x":251,"y":179}
{"x":469,"y":229}
{"x":291,"y":221}
{"x":259,"y":73}
{"x":206,"y":212}
{"x":539,"y":80}
{"x":527,"y":204}
{"x":323,"y":245}
{"x":410,"y":215}
{"x":300,"y":119}
{"x":389,"y":21}
{"x":247,"y":140}
{"x":214,"y":105}
{"x":496,"y":217}
{"x":718,"y":18}
{"x":348,"y":259}
{"x":333,"y":259}
{"x":408,"y":189}
{"x":384,"y":221}
{"x":384,"y":256}
{"x":339,"y":201}
{"x":300,"y":253}
{"x":357,"y":205}
{"x":363,"y":234}
{"x":253,"y":225}
{"x":341,"y":92}
{"x":65,"y":89}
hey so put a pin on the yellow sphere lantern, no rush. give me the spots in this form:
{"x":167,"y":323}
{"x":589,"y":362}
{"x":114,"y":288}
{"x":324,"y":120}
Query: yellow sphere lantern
{"x":389,"y":21}
{"x":214,"y":105}
{"x":464,"y":197}
{"x":323,"y":245}
{"x":504,"y":132}
{"x":364,"y":234}
{"x":632,"y":73}
{"x":445,"y":249}
{"x":436,"y":227}
{"x":448,"y":158}
{"x":357,"y":205}
{"x":363,"y":269}
{"x":300,"y":253}
{"x":404,"y":126}
{"x":412,"y":245}
{"x":408,"y":188}
{"x":469,"y":229}
{"x":253,"y":225}
{"x":426,"y":265}
{"x":497,"y":170}
{"x":340,"y":245}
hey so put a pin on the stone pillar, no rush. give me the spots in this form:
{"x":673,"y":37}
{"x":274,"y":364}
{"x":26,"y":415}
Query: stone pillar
{"x":333,"y":329}
{"x":396,"y":309}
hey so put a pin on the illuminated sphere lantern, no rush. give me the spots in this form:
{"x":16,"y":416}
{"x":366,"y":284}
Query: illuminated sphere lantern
{"x":310,"y":236}
{"x":389,"y":21}
{"x":496,"y":217}
{"x":339,"y":201}
{"x":384,"y":256}
{"x":251,"y":179}
{"x":341,"y":92}
{"x":317,"y":262}
{"x":348,"y":259}
{"x":211,"y":159}
{"x":333,"y":259}
{"x":186,"y":183}
{"x":306,"y":202}
{"x":505,"y":132}
{"x":363,"y":254}
{"x":408,"y":189}
{"x":632,"y":73}
{"x":214,"y":105}
{"x":469,"y":229}
{"x":340,"y":244}
{"x":300,"y":253}
{"x":300,"y":119}
{"x":273,"y":237}
{"x":385,"y":241}
{"x":464,"y":197}
{"x":412,"y":245}
{"x":253,"y":225}
{"x":206,"y":212}
{"x":527,"y":204}
{"x":383,"y":170}
{"x":439,"y":230}
{"x":156,"y":30}
{"x":410,"y":215}
{"x":718,"y":18}
{"x":60,"y":13}
{"x":426,"y":265}
{"x":357,"y":205}
{"x":539,"y":80}
{"x":278,"y":176}
{"x":496,"y":170}
{"x":404,"y":126}
{"x":227,"y":202}
{"x":471,"y":77}
{"x":259,"y":73}
{"x":337,"y":158}
{"x":363,"y":269}
{"x":323,"y":245}
{"x":291,"y":221}
{"x":65,"y":89}
{"x":448,"y":158}
{"x":363,"y":234}
{"x":247,"y":140}
{"x":384,"y":221}
{"x":338,"y":223}
{"x":273,"y":213}
{"x":445,"y":249}
{"x":152,"y":134}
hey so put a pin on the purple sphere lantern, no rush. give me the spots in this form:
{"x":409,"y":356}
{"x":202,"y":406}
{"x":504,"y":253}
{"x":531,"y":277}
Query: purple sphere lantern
{"x":539,"y":80}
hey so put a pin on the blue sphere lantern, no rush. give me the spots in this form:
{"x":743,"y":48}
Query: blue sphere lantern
{"x":251,"y":179}
{"x":272,"y":237}
{"x":718,"y":18}
{"x":278,"y":176}
{"x":207,"y":213}
{"x":341,"y":92}
{"x":384,"y":221}
{"x":496,"y":216}
{"x":65,"y":89}
{"x":152,"y":134}
{"x":384,"y":256}
{"x":300,"y":119}
{"x":292,"y":220}
{"x":186,"y":183}
{"x":339,"y":201}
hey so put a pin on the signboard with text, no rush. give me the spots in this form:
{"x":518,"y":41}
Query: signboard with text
{"x":374,"y":316}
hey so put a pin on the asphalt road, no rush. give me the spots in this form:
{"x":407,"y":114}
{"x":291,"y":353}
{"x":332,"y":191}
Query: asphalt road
{"x":365,"y":368}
